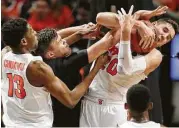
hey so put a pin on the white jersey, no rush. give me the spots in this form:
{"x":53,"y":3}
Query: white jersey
{"x":108,"y":84}
{"x":149,"y":124}
{"x":23,"y":104}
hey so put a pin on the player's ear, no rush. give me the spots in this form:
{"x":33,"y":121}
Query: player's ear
{"x":150,"y":106}
{"x":126,"y":106}
{"x":49,"y":55}
{"x":23,"y":42}
{"x":154,"y":23}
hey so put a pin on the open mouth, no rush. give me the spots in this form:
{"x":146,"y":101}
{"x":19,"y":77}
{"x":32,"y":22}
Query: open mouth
{"x":157,"y":34}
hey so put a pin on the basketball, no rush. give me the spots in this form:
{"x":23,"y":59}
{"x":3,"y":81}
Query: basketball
{"x":135,"y":38}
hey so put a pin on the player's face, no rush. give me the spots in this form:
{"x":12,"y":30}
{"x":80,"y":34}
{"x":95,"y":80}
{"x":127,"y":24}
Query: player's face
{"x":31,"y":38}
{"x":59,"y":47}
{"x":165,"y":31}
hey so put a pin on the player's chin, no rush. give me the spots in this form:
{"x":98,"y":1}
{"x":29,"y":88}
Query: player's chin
{"x":68,"y":52}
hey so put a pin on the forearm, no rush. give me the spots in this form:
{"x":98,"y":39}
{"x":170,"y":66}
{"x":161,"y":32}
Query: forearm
{"x":69,"y":31}
{"x":108,"y":19}
{"x":125,"y":60}
{"x":96,"y":50}
{"x":142,"y":15}
{"x":81,"y":89}
{"x":73,"y":38}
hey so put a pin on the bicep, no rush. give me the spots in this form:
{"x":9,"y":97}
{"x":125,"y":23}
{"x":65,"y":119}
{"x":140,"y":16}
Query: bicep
{"x":43,"y":75}
{"x":38,"y":73}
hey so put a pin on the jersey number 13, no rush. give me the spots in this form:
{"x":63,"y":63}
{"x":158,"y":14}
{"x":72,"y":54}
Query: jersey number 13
{"x":20,"y":91}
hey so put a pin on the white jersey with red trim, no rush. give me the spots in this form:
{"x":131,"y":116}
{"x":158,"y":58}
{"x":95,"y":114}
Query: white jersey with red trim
{"x":109,"y":84}
{"x":23,"y":104}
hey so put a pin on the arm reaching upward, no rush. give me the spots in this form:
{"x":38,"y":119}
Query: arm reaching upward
{"x":148,"y":14}
{"x":125,"y":60}
{"x":71,"y":30}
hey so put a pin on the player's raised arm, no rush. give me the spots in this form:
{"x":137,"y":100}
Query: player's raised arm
{"x":108,"y":19}
{"x":148,"y":14}
{"x":46,"y":78}
{"x":71,"y":30}
{"x":125,"y":60}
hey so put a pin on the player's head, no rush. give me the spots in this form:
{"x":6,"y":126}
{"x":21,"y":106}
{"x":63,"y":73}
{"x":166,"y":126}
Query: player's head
{"x":18,"y":34}
{"x":166,"y":30}
{"x":138,"y":100}
{"x":51,"y":45}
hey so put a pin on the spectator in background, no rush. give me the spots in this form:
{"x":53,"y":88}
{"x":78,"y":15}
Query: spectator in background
{"x":81,"y":17}
{"x":40,"y":16}
{"x":173,"y":5}
{"x":50,"y":13}
{"x":25,"y":8}
{"x":11,"y":8}
{"x":62,"y":14}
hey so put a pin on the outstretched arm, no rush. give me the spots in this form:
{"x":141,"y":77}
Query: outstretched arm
{"x":111,"y":20}
{"x":40,"y":74}
{"x":80,"y":34}
{"x":125,"y":60}
{"x":148,"y":14}
{"x":71,"y":30}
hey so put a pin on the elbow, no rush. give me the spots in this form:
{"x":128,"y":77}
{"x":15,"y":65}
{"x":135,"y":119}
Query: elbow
{"x":158,"y":58}
{"x":123,"y":70}
{"x":70,"y":104}
{"x":154,"y":59}
{"x":98,"y":17}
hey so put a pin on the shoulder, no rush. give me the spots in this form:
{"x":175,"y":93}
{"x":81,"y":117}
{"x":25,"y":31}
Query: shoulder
{"x":154,"y":124}
{"x":124,"y":125}
{"x":37,"y":65}
{"x":38,"y":73}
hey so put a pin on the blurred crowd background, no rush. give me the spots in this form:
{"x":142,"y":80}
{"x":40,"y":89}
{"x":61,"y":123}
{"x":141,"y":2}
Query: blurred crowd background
{"x":60,"y":14}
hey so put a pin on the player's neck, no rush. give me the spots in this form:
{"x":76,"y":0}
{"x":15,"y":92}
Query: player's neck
{"x":140,"y":118}
{"x":20,"y":50}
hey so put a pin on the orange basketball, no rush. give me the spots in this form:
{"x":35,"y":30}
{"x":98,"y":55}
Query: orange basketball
{"x":135,"y":39}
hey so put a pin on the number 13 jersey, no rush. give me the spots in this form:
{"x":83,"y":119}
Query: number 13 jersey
{"x":109,"y":84}
{"x":23,"y":104}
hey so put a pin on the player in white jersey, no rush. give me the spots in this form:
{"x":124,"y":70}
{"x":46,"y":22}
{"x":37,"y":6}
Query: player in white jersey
{"x":103,"y":105}
{"x":24,"y":77}
{"x":138,"y":104}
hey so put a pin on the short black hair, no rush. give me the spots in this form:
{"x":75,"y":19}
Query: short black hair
{"x":138,"y":97}
{"x":172,"y":22}
{"x":45,"y":36}
{"x":13,"y":31}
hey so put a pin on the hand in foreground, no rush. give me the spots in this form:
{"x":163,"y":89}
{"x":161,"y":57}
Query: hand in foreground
{"x":108,"y":40}
{"x":147,"y":36}
{"x":101,"y":61}
{"x":92,"y":32}
{"x":126,"y":21}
